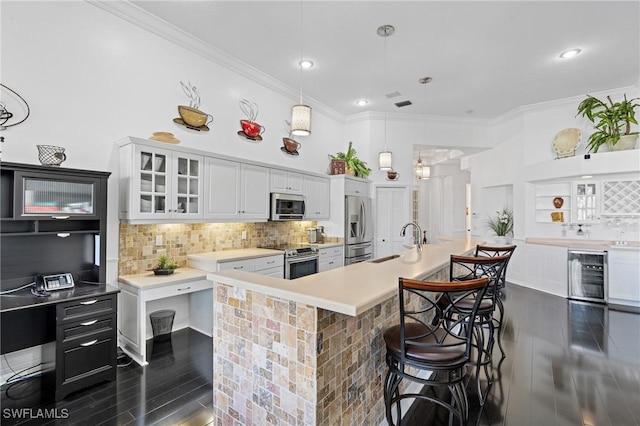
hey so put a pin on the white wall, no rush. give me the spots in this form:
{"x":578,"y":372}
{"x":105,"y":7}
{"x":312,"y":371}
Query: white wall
{"x":92,"y":78}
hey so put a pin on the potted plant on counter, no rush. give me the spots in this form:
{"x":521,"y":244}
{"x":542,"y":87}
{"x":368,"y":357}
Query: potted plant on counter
{"x":164,"y":266}
{"x":612,"y":122}
{"x":353,"y":165}
{"x":502,"y":225}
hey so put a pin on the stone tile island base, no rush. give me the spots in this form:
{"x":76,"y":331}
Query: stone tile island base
{"x":288,"y":363}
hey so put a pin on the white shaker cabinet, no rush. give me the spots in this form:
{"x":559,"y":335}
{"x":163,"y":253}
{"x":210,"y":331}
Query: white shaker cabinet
{"x":586,"y":201}
{"x":236,"y":191}
{"x":317,"y":197}
{"x":286,"y":182}
{"x":158,"y":183}
{"x":624,"y":276}
{"x":330,"y":258}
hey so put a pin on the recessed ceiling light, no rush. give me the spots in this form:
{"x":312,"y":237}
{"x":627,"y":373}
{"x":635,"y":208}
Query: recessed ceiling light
{"x":569,"y":53}
{"x":306,"y":63}
{"x":362,"y":102}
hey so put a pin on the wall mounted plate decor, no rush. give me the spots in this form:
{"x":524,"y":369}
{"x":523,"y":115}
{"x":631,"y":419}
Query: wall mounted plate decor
{"x":566,"y":142}
{"x":203,"y":128}
{"x":165,"y":137}
{"x":251,"y":138}
{"x":294,"y":153}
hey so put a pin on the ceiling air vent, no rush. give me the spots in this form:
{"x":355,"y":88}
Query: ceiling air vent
{"x":403,"y":104}
{"x":393,"y":95}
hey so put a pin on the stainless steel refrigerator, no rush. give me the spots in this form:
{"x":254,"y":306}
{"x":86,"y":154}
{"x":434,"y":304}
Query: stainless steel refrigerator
{"x":358,"y":230}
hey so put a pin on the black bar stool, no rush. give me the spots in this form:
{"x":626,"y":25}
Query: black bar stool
{"x":464,"y":268}
{"x":433,"y":335}
{"x":491,"y":251}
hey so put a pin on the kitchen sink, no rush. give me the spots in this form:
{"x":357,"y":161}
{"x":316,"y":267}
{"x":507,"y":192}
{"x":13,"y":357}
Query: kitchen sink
{"x":384,"y":259}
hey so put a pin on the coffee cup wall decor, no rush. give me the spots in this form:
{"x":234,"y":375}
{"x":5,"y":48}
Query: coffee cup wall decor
{"x":190,"y":116}
{"x":290,"y":146}
{"x":250,"y":128}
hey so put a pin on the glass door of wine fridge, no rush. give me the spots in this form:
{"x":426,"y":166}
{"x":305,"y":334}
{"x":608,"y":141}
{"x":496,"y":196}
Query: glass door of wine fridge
{"x":587,"y":271}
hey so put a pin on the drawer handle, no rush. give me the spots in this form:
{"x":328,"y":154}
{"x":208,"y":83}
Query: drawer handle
{"x":269,"y":263}
{"x":60,"y":217}
{"x":89,"y":302}
{"x":93,"y":342}
{"x":186,"y":288}
{"x":89,"y":322}
{"x":238,"y":267}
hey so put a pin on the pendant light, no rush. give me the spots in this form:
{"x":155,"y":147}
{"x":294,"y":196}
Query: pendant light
{"x":384,"y":157}
{"x":301,"y":113}
{"x":423,"y":171}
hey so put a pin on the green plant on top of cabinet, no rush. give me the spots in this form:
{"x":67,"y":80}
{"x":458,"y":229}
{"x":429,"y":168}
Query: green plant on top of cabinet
{"x":286,"y":182}
{"x":158,"y":183}
{"x":236,"y":191}
{"x":316,"y":197}
{"x":612,"y":121}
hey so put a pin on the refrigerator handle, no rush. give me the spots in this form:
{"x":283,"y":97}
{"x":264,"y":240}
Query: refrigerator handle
{"x":363,"y":227}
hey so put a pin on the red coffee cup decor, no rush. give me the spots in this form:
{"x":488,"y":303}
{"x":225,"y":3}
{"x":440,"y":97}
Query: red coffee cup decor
{"x":250,"y":128}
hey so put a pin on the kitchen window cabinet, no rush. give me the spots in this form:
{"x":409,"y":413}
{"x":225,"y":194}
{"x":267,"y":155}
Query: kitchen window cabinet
{"x":286,"y":182}
{"x":160,"y":184}
{"x":317,"y":197}
{"x":586,"y":202}
{"x":236,"y":191}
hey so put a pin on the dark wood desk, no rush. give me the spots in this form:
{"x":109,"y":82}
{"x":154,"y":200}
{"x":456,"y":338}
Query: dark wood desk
{"x":77,"y":331}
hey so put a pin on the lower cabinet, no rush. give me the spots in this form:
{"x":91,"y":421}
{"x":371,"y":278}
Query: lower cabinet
{"x":268,"y":265}
{"x":623,"y":268}
{"x":86,"y":343}
{"x":330,"y":258}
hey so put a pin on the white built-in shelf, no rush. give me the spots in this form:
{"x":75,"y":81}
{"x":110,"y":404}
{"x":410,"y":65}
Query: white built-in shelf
{"x":545,"y":193}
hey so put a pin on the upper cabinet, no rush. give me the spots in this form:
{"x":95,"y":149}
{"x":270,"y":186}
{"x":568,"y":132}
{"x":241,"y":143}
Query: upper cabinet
{"x":586,"y":201}
{"x":358,"y":187}
{"x":158,"y":183}
{"x":162,"y":183}
{"x":236,"y":191}
{"x":317,"y":197}
{"x":286,"y":182}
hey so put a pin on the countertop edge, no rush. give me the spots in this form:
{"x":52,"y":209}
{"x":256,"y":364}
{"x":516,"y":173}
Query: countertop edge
{"x":148,"y":280}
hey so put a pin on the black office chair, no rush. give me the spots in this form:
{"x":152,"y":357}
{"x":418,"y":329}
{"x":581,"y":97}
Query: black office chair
{"x":433,"y":335}
{"x":490,"y":251}
{"x":464,"y":268}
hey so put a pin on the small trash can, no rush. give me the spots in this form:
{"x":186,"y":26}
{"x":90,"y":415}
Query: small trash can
{"x":161,"y":324}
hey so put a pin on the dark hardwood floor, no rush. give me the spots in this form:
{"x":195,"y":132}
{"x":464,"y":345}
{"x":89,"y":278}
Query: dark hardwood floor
{"x":174,"y":389}
{"x":567,"y":363}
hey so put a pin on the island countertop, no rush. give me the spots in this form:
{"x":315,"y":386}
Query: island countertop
{"x":352,"y":289}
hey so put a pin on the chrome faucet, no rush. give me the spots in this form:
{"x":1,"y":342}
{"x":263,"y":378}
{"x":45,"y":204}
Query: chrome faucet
{"x":404,"y":230}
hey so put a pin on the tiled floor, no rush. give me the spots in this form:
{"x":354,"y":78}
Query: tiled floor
{"x":568,"y":363}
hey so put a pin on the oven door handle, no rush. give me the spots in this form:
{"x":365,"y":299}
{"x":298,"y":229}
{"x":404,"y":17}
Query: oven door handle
{"x":301,"y":259}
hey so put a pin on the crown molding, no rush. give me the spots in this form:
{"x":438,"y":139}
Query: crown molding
{"x":415,"y":118}
{"x":161,"y":28}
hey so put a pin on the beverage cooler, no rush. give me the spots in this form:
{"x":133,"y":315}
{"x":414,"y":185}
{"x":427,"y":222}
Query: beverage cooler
{"x":587,"y":271}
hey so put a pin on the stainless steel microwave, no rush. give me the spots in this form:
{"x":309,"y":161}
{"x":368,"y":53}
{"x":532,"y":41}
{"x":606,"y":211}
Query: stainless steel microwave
{"x":286,"y":207}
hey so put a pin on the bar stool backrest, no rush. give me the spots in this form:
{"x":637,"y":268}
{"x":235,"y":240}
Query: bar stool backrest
{"x":462,"y":268}
{"x":441,"y":321}
{"x":493,"y":251}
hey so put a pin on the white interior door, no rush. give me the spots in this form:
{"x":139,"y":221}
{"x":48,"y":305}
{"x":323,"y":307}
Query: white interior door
{"x":392,"y":211}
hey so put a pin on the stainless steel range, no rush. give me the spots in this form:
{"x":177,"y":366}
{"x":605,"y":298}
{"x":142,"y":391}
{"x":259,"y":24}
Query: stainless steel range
{"x":299,"y":260}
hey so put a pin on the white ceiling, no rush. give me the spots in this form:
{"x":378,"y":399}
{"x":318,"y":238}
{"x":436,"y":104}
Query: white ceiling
{"x":489,"y":57}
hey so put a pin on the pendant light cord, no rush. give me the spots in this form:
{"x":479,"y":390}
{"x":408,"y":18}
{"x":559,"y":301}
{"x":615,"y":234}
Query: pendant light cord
{"x":386,"y":83}
{"x":301,"y":44}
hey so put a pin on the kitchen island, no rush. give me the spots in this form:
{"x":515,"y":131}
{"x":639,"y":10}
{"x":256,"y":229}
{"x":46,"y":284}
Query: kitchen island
{"x":310,"y":351}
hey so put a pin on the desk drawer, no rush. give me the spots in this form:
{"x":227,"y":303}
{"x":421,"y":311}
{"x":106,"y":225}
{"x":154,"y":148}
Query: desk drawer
{"x":177,"y":289}
{"x":83,"y":331}
{"x":87,"y":308}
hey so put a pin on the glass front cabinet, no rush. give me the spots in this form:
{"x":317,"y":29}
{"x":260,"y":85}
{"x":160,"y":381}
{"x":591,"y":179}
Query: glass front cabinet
{"x":52,"y":196}
{"x":166,"y":185}
{"x":586,"y":202}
